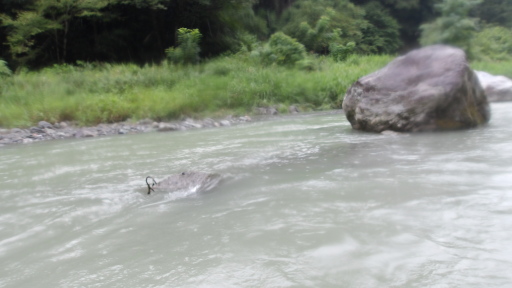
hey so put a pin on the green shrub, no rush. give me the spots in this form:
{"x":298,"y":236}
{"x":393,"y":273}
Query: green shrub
{"x":4,"y":70}
{"x":283,"y":50}
{"x":187,"y":51}
{"x":341,"y":52}
{"x":493,"y":43}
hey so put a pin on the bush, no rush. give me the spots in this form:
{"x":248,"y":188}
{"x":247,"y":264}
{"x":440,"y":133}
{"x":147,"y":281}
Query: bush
{"x":187,"y":51}
{"x":341,"y":52}
{"x":4,"y":70}
{"x":283,"y":50}
{"x":493,"y":43}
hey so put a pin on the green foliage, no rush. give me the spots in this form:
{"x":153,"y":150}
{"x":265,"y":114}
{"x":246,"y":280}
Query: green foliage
{"x":4,"y":70}
{"x":22,"y":30}
{"x":281,"y":49}
{"x":341,"y":52}
{"x":382,"y":34}
{"x":91,"y":94}
{"x":497,"y":12}
{"x":494,"y":67}
{"x":453,"y":26}
{"x":319,"y":38}
{"x":493,"y":44}
{"x":187,"y":51}
{"x":317,"y":24}
{"x":45,"y":21}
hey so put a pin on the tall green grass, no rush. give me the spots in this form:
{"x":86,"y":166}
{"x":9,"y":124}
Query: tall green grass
{"x":92,"y":94}
{"x":494,"y":67}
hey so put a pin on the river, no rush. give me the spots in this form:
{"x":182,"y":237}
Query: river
{"x":305,"y":201}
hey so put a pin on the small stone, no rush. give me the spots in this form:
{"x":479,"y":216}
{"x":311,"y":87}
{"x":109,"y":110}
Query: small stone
{"x":82,"y":133}
{"x":27,"y":140}
{"x":35,"y":136}
{"x":225,"y":123}
{"x":164,"y":127}
{"x":4,"y":131}
{"x":190,"y":123}
{"x":272,"y":111}
{"x":293,"y":109}
{"x":49,"y":131}
{"x":245,"y":118}
{"x":44,"y":124}
{"x":16,"y":130}
{"x":36,"y":130}
{"x":260,"y":110}
{"x":146,"y":121}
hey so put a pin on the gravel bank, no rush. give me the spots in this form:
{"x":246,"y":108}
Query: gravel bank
{"x":64,"y":130}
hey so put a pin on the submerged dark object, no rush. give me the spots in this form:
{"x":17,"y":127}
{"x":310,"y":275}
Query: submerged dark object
{"x":189,"y":180}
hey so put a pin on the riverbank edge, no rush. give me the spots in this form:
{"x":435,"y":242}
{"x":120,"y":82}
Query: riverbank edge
{"x":45,"y":131}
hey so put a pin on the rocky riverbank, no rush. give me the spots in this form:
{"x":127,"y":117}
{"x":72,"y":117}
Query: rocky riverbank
{"x":64,"y":130}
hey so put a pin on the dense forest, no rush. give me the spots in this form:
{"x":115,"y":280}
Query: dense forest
{"x":38,"y":33}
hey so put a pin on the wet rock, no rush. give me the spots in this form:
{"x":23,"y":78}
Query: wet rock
{"x":209,"y":123}
{"x":428,"y":89}
{"x":293,"y":109}
{"x":189,"y":180}
{"x":36,"y":130}
{"x":226,"y":123}
{"x":497,"y":88}
{"x":44,"y":124}
{"x":266,"y":110}
{"x":63,"y":125}
{"x":190,"y":123}
{"x":164,"y":127}
{"x":260,"y":110}
{"x":85,"y":133}
{"x":245,"y":119}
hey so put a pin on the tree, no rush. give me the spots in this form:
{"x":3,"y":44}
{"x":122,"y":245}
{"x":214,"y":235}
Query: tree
{"x":187,"y":51}
{"x":282,"y":49}
{"x":46,"y":21}
{"x":4,"y":70}
{"x":453,"y":26}
{"x":409,"y":14}
{"x":382,"y":34}
{"x":497,"y":12}
{"x":318,"y":23}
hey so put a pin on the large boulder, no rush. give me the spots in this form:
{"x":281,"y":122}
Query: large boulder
{"x":428,"y":89}
{"x":497,"y":88}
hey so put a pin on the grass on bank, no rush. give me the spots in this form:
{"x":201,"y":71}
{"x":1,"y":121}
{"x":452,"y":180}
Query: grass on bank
{"x":92,"y":94}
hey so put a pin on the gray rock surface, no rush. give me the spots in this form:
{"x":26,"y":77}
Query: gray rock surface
{"x":497,"y":88}
{"x":428,"y":89}
{"x":62,"y":130}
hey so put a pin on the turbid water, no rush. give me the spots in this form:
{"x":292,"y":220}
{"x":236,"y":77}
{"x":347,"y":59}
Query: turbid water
{"x":305,"y":201}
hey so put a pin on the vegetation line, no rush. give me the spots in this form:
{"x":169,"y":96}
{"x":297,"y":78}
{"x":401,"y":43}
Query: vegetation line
{"x":105,"y":93}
